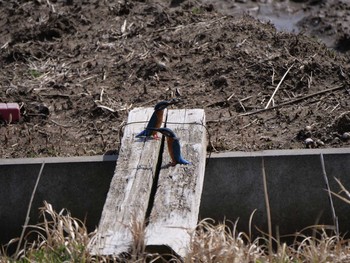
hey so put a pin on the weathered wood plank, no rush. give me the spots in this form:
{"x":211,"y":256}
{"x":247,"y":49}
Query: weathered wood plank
{"x":130,"y":189}
{"x":175,"y":210}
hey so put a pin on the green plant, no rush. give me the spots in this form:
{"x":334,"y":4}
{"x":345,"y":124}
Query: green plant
{"x":196,"y":10}
{"x":35,"y":73}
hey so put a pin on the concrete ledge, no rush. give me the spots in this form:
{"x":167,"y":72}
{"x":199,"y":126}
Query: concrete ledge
{"x":233,"y":188}
{"x":282,"y":152}
{"x":50,"y":160}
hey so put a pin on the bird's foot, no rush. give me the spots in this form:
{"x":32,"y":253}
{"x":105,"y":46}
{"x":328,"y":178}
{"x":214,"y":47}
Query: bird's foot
{"x":156,"y":137}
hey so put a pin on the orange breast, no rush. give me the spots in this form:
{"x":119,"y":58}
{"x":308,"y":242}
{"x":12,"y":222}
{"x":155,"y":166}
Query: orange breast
{"x":170,"y":149}
{"x":159,"y":120}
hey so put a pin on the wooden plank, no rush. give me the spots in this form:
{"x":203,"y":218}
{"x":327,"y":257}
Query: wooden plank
{"x":129,"y":193}
{"x":176,"y":206}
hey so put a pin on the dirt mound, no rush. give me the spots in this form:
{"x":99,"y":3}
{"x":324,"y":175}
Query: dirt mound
{"x":78,"y":67}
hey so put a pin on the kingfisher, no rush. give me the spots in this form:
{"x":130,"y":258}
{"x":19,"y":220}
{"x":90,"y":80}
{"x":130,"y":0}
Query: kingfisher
{"x":156,"y":118}
{"x":174,"y":147}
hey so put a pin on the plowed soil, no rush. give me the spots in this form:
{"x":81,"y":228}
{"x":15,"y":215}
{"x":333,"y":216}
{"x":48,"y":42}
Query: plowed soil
{"x":78,"y":67}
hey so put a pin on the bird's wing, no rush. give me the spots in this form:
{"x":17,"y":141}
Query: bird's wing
{"x":151,"y":124}
{"x":153,"y":121}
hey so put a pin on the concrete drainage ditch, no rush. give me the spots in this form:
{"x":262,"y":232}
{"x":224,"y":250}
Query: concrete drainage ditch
{"x":233,"y":189}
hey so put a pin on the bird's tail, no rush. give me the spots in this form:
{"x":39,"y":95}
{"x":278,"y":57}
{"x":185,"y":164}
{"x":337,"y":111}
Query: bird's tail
{"x":183,"y":161}
{"x":144,"y":133}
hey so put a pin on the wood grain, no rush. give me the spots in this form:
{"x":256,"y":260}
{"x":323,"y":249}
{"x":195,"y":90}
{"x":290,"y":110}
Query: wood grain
{"x":127,"y":200}
{"x":175,"y":210}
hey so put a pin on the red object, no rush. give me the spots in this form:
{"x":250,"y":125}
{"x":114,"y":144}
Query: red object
{"x":9,"y":112}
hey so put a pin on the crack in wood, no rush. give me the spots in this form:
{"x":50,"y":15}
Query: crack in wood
{"x":146,"y":195}
{"x":156,"y":177}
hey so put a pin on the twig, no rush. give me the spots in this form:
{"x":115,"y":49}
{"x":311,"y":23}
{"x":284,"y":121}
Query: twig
{"x":5,"y":45}
{"x":342,"y":187}
{"x":309,"y":81}
{"x":228,"y":99}
{"x":230,"y":96}
{"x":241,"y":43}
{"x":29,"y":208}
{"x":101,"y":94}
{"x":106,"y":108}
{"x":268,"y":210}
{"x":278,"y":86}
{"x":88,"y":78}
{"x":341,"y":198}
{"x":250,"y":123}
{"x":240,"y":103}
{"x":59,"y":124}
{"x":335,"y":107}
{"x":123,"y":27}
{"x":246,"y":98}
{"x":57,"y":95}
{"x":335,"y":218}
{"x":51,"y":6}
{"x":191,"y":24}
{"x":293,"y":101}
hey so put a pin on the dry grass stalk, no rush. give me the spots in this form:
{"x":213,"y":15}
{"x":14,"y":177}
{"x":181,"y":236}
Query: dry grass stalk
{"x":292,"y":101}
{"x":346,"y":199}
{"x":217,"y":243}
{"x":335,"y":218}
{"x":325,"y":248}
{"x":59,"y":237}
{"x":278,"y":86}
{"x":62,"y":238}
{"x":267,"y":203}
{"x":29,"y":208}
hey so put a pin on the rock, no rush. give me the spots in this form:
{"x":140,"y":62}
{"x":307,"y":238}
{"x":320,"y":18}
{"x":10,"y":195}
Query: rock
{"x":345,"y":136}
{"x":309,"y":143}
{"x":319,"y":143}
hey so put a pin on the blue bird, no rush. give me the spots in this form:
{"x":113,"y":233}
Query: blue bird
{"x":156,"y":118}
{"x":174,"y":147}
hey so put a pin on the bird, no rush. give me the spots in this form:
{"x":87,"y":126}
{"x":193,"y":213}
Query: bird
{"x":174,"y":147}
{"x":156,"y":118}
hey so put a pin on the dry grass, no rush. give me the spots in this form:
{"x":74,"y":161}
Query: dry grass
{"x":218,"y":243}
{"x":62,"y":238}
{"x":59,"y":238}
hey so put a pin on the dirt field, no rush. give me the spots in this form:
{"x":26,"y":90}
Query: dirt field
{"x":77,"y":68}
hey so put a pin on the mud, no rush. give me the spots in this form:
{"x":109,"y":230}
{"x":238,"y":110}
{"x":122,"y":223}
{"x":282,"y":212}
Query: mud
{"x":77,"y":68}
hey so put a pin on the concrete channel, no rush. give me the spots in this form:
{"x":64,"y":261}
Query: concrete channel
{"x":233,"y":189}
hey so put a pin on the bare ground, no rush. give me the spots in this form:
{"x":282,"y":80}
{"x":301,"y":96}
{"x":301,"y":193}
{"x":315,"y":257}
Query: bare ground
{"x":77,"y":68}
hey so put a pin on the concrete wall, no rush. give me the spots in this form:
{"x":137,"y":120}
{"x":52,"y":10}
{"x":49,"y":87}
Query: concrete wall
{"x":233,"y":188}
{"x":78,"y":184}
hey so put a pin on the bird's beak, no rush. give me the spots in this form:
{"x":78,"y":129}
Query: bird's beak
{"x":174,"y":101}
